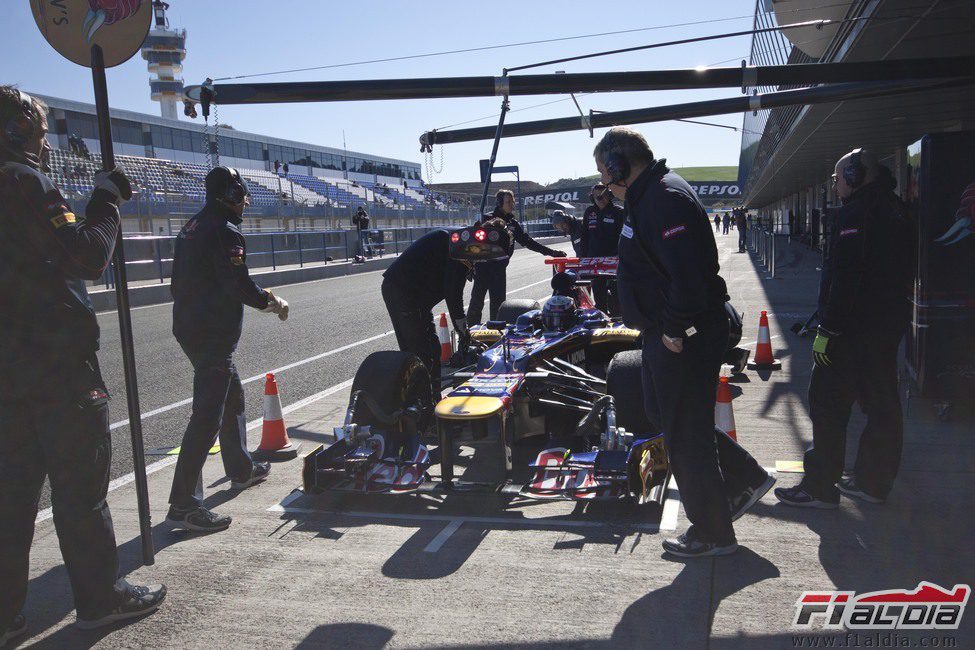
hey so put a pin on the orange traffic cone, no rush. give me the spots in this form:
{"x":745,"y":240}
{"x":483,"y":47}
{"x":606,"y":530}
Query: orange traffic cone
{"x":446,"y":343}
{"x":275,"y":444}
{"x":724,"y":412}
{"x":763,"y":359}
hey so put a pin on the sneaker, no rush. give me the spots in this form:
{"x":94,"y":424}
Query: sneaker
{"x":687,"y":545}
{"x":849,"y":487}
{"x":748,"y":498}
{"x":259,"y":474}
{"x":199,"y":519}
{"x":798,"y":497}
{"x":137,"y":601}
{"x":17,"y":627}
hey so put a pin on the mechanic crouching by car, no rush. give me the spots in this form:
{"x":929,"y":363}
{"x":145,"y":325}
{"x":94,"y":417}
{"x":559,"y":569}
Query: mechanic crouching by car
{"x":601,"y":227}
{"x":670,"y":289}
{"x":571,"y":227}
{"x":863,"y":313}
{"x":434,"y":268}
{"x":53,"y":402}
{"x":491,"y":276}
{"x":210,"y":287}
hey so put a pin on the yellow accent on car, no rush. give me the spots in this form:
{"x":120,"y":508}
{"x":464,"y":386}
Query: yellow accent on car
{"x":464,"y":408}
{"x":606,"y":334}
{"x":488,"y":336}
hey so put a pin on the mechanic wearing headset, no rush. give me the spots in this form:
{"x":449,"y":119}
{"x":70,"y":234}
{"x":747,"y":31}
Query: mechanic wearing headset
{"x":210,"y":286}
{"x":601,"y":226}
{"x":863,"y":313}
{"x":670,"y":289}
{"x":491,"y":276}
{"x":434,"y":268}
{"x":53,"y":402}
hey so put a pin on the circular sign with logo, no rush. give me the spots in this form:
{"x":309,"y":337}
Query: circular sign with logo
{"x":72,"y":27}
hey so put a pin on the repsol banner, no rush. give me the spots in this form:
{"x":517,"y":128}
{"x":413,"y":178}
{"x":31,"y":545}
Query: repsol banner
{"x":706,"y":190}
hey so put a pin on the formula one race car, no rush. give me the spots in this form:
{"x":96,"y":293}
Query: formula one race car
{"x":563,"y":372}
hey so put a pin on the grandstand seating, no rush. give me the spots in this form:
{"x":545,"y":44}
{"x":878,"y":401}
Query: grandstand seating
{"x":166,"y":181}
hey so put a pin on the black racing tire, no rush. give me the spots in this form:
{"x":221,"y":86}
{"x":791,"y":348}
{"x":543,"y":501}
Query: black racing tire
{"x":624,"y":381}
{"x":511,"y":309}
{"x":393,"y":380}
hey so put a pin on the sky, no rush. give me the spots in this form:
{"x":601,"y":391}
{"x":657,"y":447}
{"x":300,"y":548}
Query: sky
{"x":229,"y":38}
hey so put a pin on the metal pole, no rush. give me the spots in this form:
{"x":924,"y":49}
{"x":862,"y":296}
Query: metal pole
{"x":807,"y":96}
{"x":124,"y":317}
{"x":494,"y":154}
{"x":587,"y":82}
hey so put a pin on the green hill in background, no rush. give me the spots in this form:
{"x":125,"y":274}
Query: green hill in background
{"x":720,"y":173}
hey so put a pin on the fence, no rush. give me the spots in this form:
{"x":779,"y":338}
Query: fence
{"x":150,"y":257}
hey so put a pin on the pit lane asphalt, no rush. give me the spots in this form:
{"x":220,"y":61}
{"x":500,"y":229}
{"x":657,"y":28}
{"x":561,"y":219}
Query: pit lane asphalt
{"x":325,"y":315}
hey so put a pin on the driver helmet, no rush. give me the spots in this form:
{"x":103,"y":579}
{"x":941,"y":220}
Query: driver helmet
{"x":559,"y":313}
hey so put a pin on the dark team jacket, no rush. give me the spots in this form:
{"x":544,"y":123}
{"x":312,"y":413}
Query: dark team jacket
{"x":668,"y":269}
{"x":424,"y":274}
{"x":46,"y":254}
{"x":601,"y":230}
{"x":576,"y":235}
{"x":519,"y":235}
{"x":211,"y":283}
{"x":867,"y":274}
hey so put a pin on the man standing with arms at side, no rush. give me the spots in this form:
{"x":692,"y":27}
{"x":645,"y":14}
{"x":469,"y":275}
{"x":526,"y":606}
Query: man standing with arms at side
{"x":361,"y":222}
{"x":53,"y":402}
{"x":491,"y":277}
{"x":863,"y":313}
{"x":670,"y":289}
{"x":742,"y":225}
{"x":210,"y":287}
{"x":601,"y":227}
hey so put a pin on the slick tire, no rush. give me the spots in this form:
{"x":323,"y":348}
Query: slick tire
{"x":511,"y":309}
{"x":624,"y":381}
{"x":394,"y":380}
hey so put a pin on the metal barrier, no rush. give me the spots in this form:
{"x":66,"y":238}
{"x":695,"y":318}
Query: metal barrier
{"x":150,"y":257}
{"x":762,"y":242}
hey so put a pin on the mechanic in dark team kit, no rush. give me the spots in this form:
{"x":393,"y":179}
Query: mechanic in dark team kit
{"x":601,"y":226}
{"x":670,"y":289}
{"x":863,"y":314}
{"x":490,"y":277}
{"x":434,"y":268}
{"x":210,"y":287}
{"x":53,"y":402}
{"x":571,"y":227}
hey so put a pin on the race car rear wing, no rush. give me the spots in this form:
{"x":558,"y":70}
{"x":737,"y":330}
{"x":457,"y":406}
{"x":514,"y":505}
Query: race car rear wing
{"x":585,"y":267}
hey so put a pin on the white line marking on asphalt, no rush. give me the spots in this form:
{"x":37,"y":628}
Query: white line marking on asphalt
{"x":544,"y":522}
{"x":253,"y":424}
{"x":189,"y":400}
{"x":671,"y":509}
{"x":443,"y":536}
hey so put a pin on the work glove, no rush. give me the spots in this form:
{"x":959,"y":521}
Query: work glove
{"x":277,"y":306}
{"x":463,"y":333}
{"x":556,"y":253}
{"x":825,"y":340}
{"x":115,"y":183}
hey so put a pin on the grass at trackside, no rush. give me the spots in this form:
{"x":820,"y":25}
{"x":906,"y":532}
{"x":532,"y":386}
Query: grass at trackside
{"x":708,"y":173}
{"x":716,"y":173}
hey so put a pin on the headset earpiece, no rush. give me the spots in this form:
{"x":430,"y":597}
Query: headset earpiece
{"x":20,"y":127}
{"x":616,"y":164}
{"x":854,"y":172}
{"x":236,"y":189}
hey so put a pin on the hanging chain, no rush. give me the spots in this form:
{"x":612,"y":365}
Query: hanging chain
{"x":431,"y":169}
{"x":216,"y":135}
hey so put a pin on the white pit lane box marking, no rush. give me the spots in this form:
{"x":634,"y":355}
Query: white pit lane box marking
{"x":671,"y":510}
{"x":443,"y":536}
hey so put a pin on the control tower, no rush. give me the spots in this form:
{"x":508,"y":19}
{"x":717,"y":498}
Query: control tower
{"x":164,"y":50}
